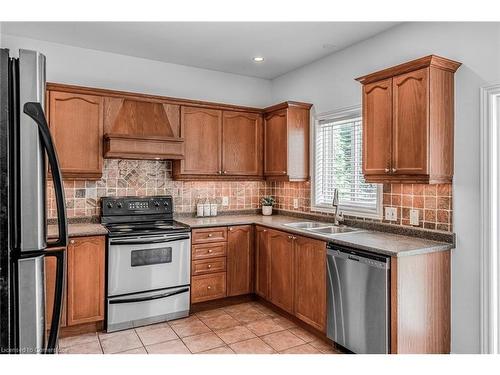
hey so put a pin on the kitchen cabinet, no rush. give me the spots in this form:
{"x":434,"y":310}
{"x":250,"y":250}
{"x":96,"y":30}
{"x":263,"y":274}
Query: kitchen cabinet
{"x":201,"y":129}
{"x":209,"y":263}
{"x":240,"y":260}
{"x":50,"y":284}
{"x":282,"y":275}
{"x":310,"y":281}
{"x":262,"y":262}
{"x":76,"y":125}
{"x":220,"y":144}
{"x":286,"y":142}
{"x":241,"y":144}
{"x":85,"y":280}
{"x":408,"y":122}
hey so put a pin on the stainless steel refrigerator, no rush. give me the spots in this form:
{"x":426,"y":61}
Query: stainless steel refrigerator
{"x":25,"y":146}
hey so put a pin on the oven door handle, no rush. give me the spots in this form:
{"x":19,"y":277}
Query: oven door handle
{"x":147,"y":242}
{"x":150,"y":298}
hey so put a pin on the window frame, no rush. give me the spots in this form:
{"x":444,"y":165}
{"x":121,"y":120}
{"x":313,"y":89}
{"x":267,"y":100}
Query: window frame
{"x":343,"y":113}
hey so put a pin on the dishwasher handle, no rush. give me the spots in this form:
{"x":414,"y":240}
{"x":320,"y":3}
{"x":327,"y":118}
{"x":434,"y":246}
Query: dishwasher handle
{"x":355,"y":255}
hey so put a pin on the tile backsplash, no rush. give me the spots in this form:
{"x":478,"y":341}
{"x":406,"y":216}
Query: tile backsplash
{"x":145,"y":178}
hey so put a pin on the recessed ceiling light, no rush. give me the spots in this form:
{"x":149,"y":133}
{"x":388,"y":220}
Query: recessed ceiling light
{"x":258,"y":59}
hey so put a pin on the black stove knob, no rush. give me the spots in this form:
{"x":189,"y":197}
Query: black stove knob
{"x":157,"y":204}
{"x":119,"y":205}
{"x":165,"y":203}
{"x":110,"y":205}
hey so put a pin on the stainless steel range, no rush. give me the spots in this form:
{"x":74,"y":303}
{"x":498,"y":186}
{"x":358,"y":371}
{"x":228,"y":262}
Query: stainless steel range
{"x":148,"y":262}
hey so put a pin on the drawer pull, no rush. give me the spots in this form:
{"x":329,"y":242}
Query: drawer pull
{"x":209,"y":266}
{"x":210,"y":235}
{"x":210,"y":251}
{"x":209,"y":287}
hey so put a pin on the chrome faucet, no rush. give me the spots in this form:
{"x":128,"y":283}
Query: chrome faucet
{"x":335,"y":203}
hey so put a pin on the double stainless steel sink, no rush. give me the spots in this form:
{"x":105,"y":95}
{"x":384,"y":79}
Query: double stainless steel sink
{"x":321,"y":228}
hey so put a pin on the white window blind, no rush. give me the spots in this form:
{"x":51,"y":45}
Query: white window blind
{"x":338,"y":152}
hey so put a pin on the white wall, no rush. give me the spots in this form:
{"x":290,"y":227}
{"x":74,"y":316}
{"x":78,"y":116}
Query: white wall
{"x":329,"y":84}
{"x":79,"y":66}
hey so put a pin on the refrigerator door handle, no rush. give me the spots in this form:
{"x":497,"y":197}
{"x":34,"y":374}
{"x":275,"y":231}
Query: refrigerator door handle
{"x":35,"y":111}
{"x":59,"y":254}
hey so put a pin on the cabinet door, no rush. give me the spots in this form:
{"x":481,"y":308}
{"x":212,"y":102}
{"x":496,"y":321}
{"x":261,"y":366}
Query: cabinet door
{"x":262,"y":262}
{"x":410,"y":122}
{"x":310,"y":282}
{"x":85,"y":280}
{"x":76,"y":124}
{"x":50,"y":285}
{"x":282,"y":270}
{"x":377,"y":127}
{"x":276,"y":144}
{"x":241,"y":144}
{"x":240,"y":260}
{"x":202,"y":130}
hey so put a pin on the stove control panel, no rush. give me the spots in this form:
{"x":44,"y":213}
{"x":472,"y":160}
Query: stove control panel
{"x":127,"y":206}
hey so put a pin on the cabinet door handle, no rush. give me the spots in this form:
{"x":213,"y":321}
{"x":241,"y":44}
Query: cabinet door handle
{"x":72,"y":241}
{"x":209,"y":287}
{"x":224,"y":172}
{"x":294,"y":238}
{"x":284,"y":172}
{"x":387,"y":170}
{"x":219,"y":172}
{"x":290,"y":237}
{"x":394,"y":170}
{"x":230,"y":228}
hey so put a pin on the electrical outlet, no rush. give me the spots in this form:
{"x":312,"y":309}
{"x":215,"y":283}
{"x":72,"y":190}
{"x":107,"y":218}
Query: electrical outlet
{"x":295,"y":203}
{"x":225,"y":201}
{"x":391,"y":213}
{"x":414,"y":217}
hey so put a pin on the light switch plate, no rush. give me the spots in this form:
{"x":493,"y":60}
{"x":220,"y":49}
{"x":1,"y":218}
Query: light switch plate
{"x":414,"y":217}
{"x":391,"y":213}
{"x":225,"y":201}
{"x":295,"y":203}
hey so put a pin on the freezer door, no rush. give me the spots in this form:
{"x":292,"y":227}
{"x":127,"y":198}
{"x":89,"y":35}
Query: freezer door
{"x":31,"y":302}
{"x":31,"y":186}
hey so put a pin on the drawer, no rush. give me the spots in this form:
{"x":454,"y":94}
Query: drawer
{"x":211,"y":265}
{"x":208,"y":287}
{"x":205,"y":235}
{"x":209,"y":250}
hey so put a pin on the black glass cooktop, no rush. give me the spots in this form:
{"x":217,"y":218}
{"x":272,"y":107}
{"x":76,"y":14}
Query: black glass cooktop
{"x":145,"y":228}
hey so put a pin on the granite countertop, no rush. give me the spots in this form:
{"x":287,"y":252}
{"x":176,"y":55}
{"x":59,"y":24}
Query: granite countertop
{"x":79,"y":230}
{"x":369,"y":240}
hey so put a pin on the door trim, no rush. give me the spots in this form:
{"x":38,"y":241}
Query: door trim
{"x":490,"y":219}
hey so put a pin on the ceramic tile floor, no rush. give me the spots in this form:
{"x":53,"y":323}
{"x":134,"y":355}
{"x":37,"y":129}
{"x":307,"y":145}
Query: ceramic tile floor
{"x":246,"y":328}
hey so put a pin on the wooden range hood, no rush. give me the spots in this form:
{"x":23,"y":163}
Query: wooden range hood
{"x":135,"y":128}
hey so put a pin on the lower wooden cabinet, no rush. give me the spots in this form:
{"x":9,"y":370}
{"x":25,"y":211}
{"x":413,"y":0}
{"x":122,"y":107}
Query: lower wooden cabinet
{"x":208,"y":287}
{"x":85,"y":282}
{"x":240,"y":260}
{"x":262,"y":262}
{"x":50,"y":285}
{"x":310,"y":281}
{"x":281,"y":281}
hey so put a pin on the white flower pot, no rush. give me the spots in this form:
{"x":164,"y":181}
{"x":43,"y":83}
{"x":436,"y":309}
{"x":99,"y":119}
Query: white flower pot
{"x":267,"y":210}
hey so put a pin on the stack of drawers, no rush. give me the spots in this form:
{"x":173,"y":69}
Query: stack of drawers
{"x":208,"y":264}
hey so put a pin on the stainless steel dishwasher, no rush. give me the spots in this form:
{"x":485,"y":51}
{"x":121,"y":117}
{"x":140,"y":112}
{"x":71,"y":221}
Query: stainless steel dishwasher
{"x":358,"y":299}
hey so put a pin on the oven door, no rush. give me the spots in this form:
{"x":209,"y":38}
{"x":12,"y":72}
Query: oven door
{"x":142,"y":264}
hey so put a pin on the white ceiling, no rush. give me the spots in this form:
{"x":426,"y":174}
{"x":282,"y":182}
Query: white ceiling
{"x":222,"y":46}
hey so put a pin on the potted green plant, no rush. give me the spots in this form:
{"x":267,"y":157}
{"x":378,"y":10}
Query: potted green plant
{"x":267,"y":205}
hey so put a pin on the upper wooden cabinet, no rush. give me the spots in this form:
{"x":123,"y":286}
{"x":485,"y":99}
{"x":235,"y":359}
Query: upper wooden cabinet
{"x":241,"y":144}
{"x":286,"y":142}
{"x":202,"y":130}
{"x":408,"y":122}
{"x":220,"y":144}
{"x":76,"y":125}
